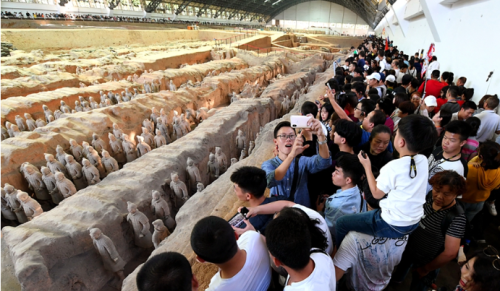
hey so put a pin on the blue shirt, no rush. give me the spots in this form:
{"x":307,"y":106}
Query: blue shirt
{"x":342,"y":203}
{"x":365,"y":137}
{"x":283,"y":187}
{"x":261,"y":221}
{"x":361,"y":64}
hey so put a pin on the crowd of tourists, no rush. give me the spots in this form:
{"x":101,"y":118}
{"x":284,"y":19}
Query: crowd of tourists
{"x":100,"y":17}
{"x":385,"y":181}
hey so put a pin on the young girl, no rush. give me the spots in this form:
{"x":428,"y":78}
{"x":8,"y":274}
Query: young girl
{"x":481,"y":272}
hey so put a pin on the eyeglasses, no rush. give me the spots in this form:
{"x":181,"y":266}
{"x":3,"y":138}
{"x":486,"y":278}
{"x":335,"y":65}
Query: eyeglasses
{"x":356,"y":108}
{"x":493,"y":253}
{"x":285,"y":137}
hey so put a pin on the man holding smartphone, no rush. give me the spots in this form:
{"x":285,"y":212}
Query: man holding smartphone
{"x":287,"y":173}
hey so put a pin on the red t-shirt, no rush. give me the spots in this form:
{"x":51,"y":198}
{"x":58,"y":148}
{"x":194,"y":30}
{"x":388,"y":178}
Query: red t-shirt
{"x":433,"y":88}
{"x":440,"y":102}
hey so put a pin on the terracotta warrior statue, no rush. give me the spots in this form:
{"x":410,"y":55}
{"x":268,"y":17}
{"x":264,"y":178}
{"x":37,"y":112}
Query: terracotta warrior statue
{"x":159,"y":139}
{"x":154,"y":114}
{"x":163,"y":129}
{"x":90,"y":172}
{"x":117,"y":131}
{"x":179,"y":189}
{"x":47,"y":113}
{"x":65,"y":186}
{"x":221,"y":159}
{"x":30,"y":122}
{"x":14,"y":203}
{"x":240,"y":140}
{"x":212,"y":167}
{"x":148,"y":137}
{"x":117,"y":149}
{"x":109,"y":163}
{"x":129,"y":148}
{"x":76,"y":149}
{"x":64,"y":106}
{"x":76,"y":172}
{"x":107,"y":250}
{"x":35,"y":181}
{"x":30,"y":206}
{"x":40,"y":123}
{"x":149,"y":125}
{"x":61,"y":155}
{"x":95,"y":160}
{"x":20,"y":123}
{"x":172,"y":86}
{"x":78,"y":107}
{"x":7,"y":212}
{"x":142,"y":147}
{"x":161,"y":210}
{"x":233,"y":161}
{"x":55,"y":166}
{"x":50,"y":182}
{"x":251,"y":146}
{"x":97,"y":143}
{"x":199,"y":188}
{"x":140,"y":225}
{"x":160,"y":232}
{"x":193,"y":176}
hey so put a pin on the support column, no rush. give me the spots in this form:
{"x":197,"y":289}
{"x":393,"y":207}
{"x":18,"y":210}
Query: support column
{"x":436,"y":16}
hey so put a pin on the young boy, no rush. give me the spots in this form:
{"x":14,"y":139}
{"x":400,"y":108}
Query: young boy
{"x":347,"y":200}
{"x":249,"y":185}
{"x":243,"y":261}
{"x":404,"y":180}
{"x":290,"y":243}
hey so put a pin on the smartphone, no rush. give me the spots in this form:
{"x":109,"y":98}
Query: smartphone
{"x":328,"y":84}
{"x":238,"y":220}
{"x":299,"y":121}
{"x":363,"y":154}
{"x":317,"y":102}
{"x":244,"y":212}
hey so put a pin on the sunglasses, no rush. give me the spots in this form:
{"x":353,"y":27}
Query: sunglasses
{"x":493,"y":253}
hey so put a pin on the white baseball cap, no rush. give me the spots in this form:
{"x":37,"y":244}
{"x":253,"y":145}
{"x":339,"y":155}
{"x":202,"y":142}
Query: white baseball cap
{"x":374,"y":76}
{"x":430,"y":101}
{"x":390,"y":78}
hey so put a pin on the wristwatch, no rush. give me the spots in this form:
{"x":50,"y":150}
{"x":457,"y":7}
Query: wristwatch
{"x":322,"y":142}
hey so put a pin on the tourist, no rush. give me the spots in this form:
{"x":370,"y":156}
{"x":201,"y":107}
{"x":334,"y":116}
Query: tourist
{"x":469,"y":150}
{"x":466,"y":110}
{"x":377,"y":147}
{"x":296,"y":245}
{"x":433,"y":66}
{"x":405,"y":108}
{"x":243,"y":261}
{"x":249,"y":185}
{"x":406,"y":189}
{"x":451,"y":97}
{"x":461,"y":81}
{"x":436,"y":240}
{"x":168,"y":271}
{"x":362,"y":109}
{"x":483,"y":176}
{"x":325,"y":116}
{"x":433,"y":86}
{"x":490,"y":121}
{"x":448,"y":155}
{"x":386,"y":105}
{"x":368,"y":260}
{"x":441,"y":119}
{"x":286,"y":175}
{"x":481,"y":272}
{"x":347,"y":199}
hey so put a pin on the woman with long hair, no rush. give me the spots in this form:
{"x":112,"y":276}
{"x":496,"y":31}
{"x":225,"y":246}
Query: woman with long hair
{"x":481,"y":272}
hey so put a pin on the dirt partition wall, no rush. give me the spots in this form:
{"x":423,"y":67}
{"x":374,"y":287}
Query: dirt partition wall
{"x":218,"y":198}
{"x":30,"y":146}
{"x":55,"y":251}
{"x":32,"y":103}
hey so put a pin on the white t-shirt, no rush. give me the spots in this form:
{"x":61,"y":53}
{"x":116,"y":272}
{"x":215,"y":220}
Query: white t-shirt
{"x":255,"y":274}
{"x":322,"y":277}
{"x":382,"y":64}
{"x":322,"y":225}
{"x":370,"y":260}
{"x":490,"y":122}
{"x":432,"y":66}
{"x":403,"y":206}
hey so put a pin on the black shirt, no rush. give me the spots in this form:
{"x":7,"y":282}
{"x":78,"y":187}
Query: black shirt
{"x":261,"y":221}
{"x":427,"y":241}
{"x":377,"y":161}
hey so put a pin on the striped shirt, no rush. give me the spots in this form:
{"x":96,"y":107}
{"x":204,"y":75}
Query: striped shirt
{"x":427,"y":241}
{"x":469,"y":148}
